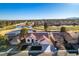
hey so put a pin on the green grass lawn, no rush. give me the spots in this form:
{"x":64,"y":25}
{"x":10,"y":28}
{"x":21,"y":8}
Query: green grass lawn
{"x":57,"y":28}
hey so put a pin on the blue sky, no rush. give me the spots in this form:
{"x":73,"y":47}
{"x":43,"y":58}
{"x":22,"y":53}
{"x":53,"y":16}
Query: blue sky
{"x":14,"y":11}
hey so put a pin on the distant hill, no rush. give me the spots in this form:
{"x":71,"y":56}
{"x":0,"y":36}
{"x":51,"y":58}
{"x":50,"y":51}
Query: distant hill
{"x":73,"y":18}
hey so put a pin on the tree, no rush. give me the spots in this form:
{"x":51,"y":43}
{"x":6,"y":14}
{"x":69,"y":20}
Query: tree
{"x":45,"y":26}
{"x":23,"y":32}
{"x":74,"y":24}
{"x":3,"y":39}
{"x":3,"y":43}
{"x":63,"y":29}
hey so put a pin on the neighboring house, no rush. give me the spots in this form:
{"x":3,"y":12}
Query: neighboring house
{"x":12,"y":37}
{"x":40,"y":37}
{"x":71,"y":38}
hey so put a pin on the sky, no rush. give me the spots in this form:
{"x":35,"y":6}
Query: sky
{"x":15,"y":11}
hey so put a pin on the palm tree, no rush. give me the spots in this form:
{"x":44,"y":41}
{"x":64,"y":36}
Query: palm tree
{"x":23,"y":32}
{"x":22,"y":36}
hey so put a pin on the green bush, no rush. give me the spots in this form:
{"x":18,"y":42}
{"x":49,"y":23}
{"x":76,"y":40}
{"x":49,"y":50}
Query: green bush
{"x":3,"y":43}
{"x":63,"y":29}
